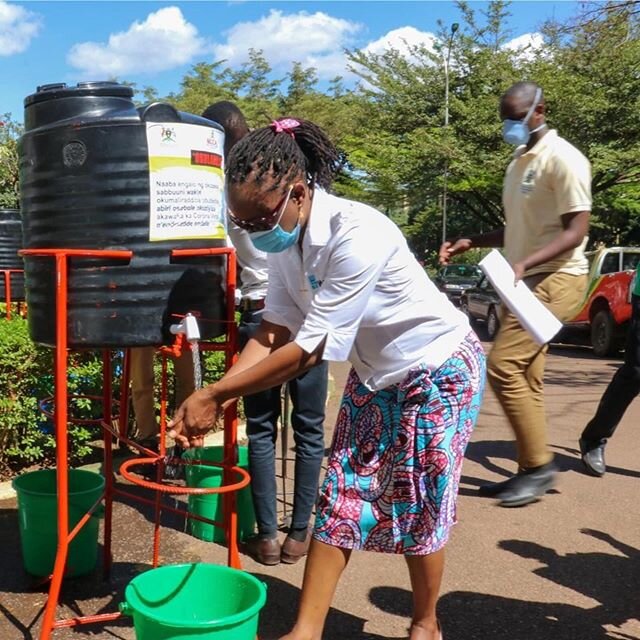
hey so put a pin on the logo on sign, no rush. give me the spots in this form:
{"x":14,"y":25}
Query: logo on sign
{"x":211,"y":141}
{"x":168,"y":134}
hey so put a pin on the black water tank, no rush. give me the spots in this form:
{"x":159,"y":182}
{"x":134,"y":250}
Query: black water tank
{"x":10,"y":244}
{"x":85,"y":183}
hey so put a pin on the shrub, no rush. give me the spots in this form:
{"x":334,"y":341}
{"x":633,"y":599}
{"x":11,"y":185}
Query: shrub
{"x":26,"y":378}
{"x":26,"y":435}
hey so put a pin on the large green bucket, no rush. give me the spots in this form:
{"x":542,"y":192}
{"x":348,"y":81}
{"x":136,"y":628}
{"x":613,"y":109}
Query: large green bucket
{"x":211,"y":505}
{"x":37,"y":513}
{"x":187,"y":601}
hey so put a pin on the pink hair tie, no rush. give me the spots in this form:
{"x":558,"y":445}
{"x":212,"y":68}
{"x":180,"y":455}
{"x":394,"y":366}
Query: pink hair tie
{"x":286,"y":125}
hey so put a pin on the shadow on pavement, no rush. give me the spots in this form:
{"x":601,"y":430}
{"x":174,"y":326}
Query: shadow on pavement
{"x":486,"y":451}
{"x":573,"y":463}
{"x":23,"y":596}
{"x":483,"y":451}
{"x":589,"y":380}
{"x":168,"y":519}
{"x":568,"y":350}
{"x":279,"y":614}
{"x":609,"y":579}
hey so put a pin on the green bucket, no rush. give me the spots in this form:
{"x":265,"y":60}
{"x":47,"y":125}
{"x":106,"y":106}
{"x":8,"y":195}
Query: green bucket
{"x":211,"y":505}
{"x":200,"y":600}
{"x":37,"y":514}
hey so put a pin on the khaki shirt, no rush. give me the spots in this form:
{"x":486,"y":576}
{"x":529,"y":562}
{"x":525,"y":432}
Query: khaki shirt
{"x":541,"y":185}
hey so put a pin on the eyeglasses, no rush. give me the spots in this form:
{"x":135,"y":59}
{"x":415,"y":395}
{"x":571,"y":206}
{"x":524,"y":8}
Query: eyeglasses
{"x":263,"y":223}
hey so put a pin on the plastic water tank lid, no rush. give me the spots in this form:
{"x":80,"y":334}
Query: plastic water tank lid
{"x":58,"y":90}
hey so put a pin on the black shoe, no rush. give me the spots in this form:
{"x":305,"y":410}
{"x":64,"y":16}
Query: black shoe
{"x":528,"y":486}
{"x":494,"y":489}
{"x":593,"y":456}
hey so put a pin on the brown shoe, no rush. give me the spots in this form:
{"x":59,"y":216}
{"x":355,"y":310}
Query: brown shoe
{"x":263,"y":550}
{"x":293,"y":550}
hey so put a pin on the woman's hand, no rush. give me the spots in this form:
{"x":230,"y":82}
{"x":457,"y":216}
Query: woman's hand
{"x":197,"y":415}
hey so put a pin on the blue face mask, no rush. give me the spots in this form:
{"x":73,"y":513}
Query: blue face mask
{"x":275,"y":240}
{"x":517,"y":131}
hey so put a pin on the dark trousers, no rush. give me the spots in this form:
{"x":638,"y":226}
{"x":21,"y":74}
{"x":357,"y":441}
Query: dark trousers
{"x":623,"y":388}
{"x":308,"y":397}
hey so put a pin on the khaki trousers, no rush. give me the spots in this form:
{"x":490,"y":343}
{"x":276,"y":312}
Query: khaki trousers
{"x":142,"y":387}
{"x":516,"y":365}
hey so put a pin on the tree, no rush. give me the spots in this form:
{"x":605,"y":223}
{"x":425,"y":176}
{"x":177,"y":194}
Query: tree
{"x":494,"y":33}
{"x":10,"y":131}
{"x":250,"y":86}
{"x":337,"y":111}
{"x":593,"y":96}
{"x":404,"y":154}
{"x":302,"y":85}
{"x":205,"y":84}
{"x":390,"y":125}
{"x":589,"y":71}
{"x":592,"y":12}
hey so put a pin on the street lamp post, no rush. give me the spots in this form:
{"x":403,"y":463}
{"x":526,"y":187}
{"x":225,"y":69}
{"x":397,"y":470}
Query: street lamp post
{"x":454,"y":28}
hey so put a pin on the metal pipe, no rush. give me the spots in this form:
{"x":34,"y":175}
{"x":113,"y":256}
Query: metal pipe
{"x":61,"y":418}
{"x":7,"y":293}
{"x":108,"y":462}
{"x":123,"y":419}
{"x":81,"y":620}
{"x":284,"y":448}
{"x":62,"y":470}
{"x":454,"y":28}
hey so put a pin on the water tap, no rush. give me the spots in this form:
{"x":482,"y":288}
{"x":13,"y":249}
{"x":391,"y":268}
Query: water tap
{"x":188,"y":326}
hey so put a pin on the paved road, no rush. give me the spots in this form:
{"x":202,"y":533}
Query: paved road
{"x":566,"y":568}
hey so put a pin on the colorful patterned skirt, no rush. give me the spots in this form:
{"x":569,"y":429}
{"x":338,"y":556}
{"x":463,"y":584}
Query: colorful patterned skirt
{"x":396,"y":458}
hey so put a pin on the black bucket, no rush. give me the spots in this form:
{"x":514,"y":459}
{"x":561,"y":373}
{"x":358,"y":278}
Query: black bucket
{"x":10,"y":244}
{"x":86,"y":183}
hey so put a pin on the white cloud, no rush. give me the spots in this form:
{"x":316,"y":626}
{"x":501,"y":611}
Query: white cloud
{"x":314,"y":39}
{"x":163,"y":41}
{"x":330,"y":65}
{"x":527,"y":44}
{"x":402,"y":40}
{"x":18,"y":27}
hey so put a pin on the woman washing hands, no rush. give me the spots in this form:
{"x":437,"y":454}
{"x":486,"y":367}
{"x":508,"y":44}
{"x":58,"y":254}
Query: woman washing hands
{"x":343,"y":286}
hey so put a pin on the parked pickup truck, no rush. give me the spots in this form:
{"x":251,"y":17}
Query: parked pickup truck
{"x":606,"y":309}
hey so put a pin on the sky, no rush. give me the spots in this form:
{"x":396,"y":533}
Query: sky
{"x":156,"y":43}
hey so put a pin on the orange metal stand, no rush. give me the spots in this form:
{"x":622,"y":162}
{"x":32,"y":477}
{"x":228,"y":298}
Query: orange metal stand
{"x":234,"y":478}
{"x":6,"y":274}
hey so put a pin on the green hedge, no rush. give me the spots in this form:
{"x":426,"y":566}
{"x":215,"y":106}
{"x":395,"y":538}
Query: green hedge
{"x":26,"y":435}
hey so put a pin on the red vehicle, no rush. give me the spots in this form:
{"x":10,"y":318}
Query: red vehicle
{"x":607,"y":306}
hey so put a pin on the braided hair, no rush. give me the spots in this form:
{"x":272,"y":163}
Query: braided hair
{"x":281,"y":152}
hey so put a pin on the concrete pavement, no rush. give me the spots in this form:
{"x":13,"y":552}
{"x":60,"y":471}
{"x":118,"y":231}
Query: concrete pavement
{"x":566,"y":568}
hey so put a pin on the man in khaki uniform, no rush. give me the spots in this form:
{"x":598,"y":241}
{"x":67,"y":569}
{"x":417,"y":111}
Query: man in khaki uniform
{"x":547,"y":202}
